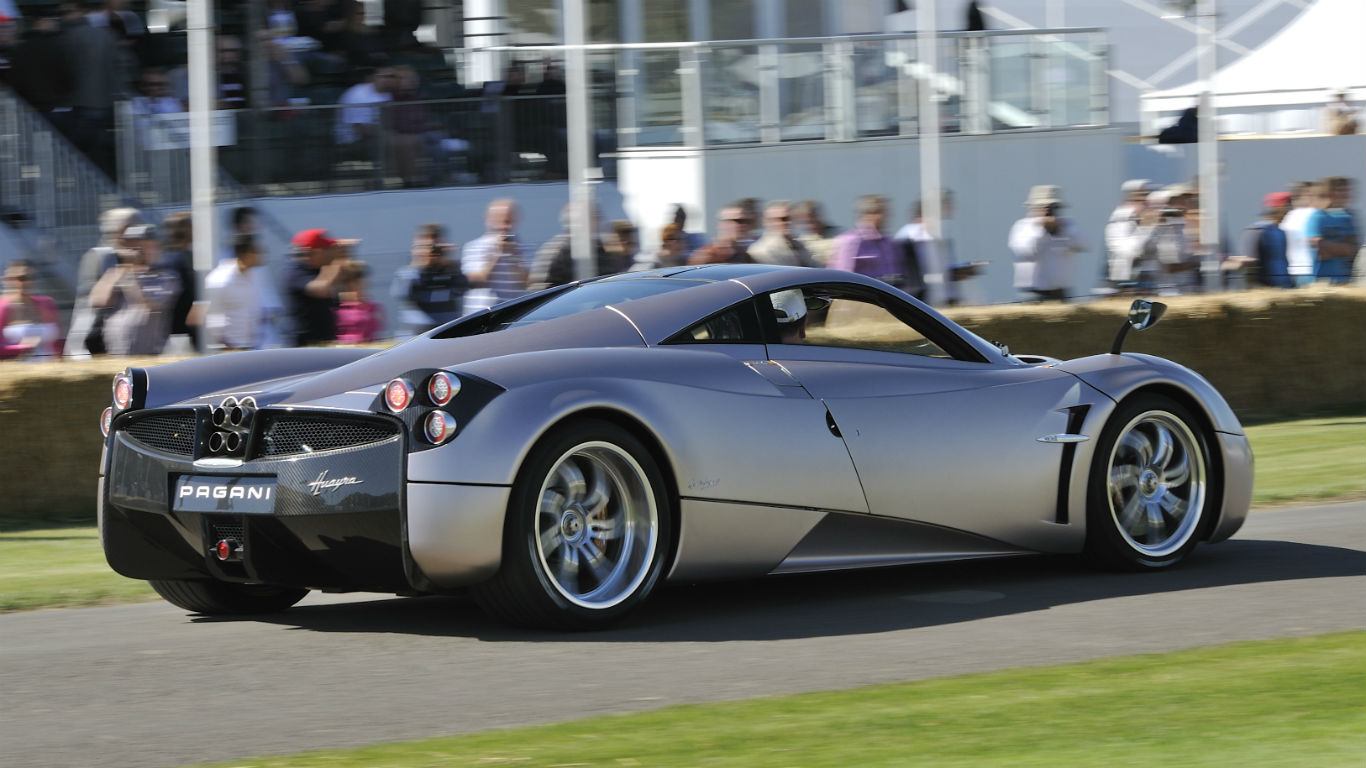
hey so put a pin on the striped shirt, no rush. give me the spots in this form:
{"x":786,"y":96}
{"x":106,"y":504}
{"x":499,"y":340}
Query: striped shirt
{"x":505,"y":282}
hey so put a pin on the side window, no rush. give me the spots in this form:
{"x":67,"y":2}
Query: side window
{"x":736,"y":325}
{"x":838,"y":317}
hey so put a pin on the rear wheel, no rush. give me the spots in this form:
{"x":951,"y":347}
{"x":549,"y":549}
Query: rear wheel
{"x":217,"y":598}
{"x":586,"y":534}
{"x":1149,"y":492}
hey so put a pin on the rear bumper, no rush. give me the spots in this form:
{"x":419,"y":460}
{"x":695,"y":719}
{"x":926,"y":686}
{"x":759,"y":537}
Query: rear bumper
{"x":332,"y":520}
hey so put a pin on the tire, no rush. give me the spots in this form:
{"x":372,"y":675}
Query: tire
{"x":587,"y":477}
{"x":219,"y":598}
{"x":1150,"y":491}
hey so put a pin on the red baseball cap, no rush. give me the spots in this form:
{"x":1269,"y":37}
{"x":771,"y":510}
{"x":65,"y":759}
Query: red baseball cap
{"x":1276,"y":200}
{"x":309,"y":239}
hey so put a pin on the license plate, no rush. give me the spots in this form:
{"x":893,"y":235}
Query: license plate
{"x":246,"y":495}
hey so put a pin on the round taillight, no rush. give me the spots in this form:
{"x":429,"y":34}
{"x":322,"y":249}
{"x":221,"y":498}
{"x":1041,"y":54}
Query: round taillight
{"x":223,"y":550}
{"x":398,"y":394}
{"x":123,"y":391}
{"x":106,"y":419}
{"x":439,"y":427}
{"x":442,"y":386}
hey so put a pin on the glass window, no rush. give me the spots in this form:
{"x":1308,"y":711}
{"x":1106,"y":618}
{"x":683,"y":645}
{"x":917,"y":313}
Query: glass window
{"x":666,"y":21}
{"x":732,"y":19}
{"x":736,"y":325}
{"x":834,"y":316}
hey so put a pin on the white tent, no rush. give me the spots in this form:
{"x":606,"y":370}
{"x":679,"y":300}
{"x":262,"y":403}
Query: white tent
{"x":1283,"y":85}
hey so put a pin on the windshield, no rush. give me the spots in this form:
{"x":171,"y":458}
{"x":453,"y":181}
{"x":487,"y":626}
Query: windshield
{"x":594,"y":295}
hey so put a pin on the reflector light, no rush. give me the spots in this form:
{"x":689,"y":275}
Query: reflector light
{"x":442,"y":386}
{"x":398,"y":395}
{"x":439,"y":427}
{"x":123,"y":391}
{"x":223,"y":550}
{"x":106,"y":419}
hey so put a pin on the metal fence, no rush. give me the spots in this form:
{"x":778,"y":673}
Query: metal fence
{"x":51,"y":194}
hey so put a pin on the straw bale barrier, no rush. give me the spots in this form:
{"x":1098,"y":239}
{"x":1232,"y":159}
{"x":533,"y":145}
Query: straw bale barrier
{"x":1270,"y":353}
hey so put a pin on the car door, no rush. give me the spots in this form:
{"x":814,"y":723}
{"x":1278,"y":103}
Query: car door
{"x":938,"y":434}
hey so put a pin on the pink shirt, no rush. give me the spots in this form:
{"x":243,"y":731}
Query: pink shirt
{"x":359,"y":322}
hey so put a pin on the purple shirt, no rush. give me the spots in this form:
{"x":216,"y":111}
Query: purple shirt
{"x":866,"y":251}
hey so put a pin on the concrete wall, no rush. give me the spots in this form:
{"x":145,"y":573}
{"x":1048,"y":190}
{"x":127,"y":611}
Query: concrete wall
{"x":1269,"y":353}
{"x":1253,"y":167}
{"x":990,"y":175}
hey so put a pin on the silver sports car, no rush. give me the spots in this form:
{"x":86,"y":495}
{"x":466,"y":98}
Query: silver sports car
{"x":561,"y":455}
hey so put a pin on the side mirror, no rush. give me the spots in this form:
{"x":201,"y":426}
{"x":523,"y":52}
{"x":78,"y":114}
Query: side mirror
{"x":1142,"y":314}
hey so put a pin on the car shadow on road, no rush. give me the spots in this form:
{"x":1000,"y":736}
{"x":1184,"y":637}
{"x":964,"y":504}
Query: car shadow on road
{"x":849,"y":603}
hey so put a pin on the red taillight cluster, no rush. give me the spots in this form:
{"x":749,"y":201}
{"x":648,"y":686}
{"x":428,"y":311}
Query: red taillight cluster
{"x":123,"y":391}
{"x":398,"y":394}
{"x":438,"y":426}
{"x":123,"y":400}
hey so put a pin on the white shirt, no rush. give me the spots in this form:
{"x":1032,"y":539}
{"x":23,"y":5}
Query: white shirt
{"x":934,"y":264}
{"x":1298,"y":258}
{"x":1052,"y":256}
{"x":234,"y":311}
{"x":504,"y":283}
{"x":353,"y":115}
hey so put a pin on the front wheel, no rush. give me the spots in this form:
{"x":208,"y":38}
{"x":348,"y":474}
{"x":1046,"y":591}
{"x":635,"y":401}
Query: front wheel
{"x":1149,"y":492}
{"x":220,"y":598}
{"x":587,"y":531}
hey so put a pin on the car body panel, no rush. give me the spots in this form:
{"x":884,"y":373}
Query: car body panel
{"x":776,"y":458}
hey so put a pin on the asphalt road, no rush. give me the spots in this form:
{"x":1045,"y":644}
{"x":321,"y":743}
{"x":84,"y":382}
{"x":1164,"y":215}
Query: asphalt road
{"x":147,"y":685}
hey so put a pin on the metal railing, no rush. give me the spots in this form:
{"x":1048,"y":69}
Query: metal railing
{"x":318,"y":149}
{"x":53,"y":193}
{"x":725,"y":93}
{"x":698,"y":95}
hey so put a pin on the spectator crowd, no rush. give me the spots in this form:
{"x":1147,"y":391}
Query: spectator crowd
{"x":137,"y":290}
{"x":76,"y":61}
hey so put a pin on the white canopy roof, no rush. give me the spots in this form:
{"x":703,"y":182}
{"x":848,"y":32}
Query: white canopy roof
{"x":1317,"y":55}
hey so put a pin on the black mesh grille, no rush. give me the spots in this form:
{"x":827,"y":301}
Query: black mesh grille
{"x":226,"y":528}
{"x":171,"y":433}
{"x":287,"y":435}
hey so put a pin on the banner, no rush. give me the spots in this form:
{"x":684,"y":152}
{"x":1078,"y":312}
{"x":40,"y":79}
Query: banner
{"x":172,"y":131}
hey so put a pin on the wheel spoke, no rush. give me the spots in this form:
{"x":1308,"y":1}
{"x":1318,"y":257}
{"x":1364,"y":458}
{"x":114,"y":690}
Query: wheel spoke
{"x":603,"y":527}
{"x":1178,"y":473}
{"x":1128,"y":516}
{"x":1157,"y":525}
{"x":1174,"y":506}
{"x":599,"y":491}
{"x":571,"y":478}
{"x":551,"y":540}
{"x":596,"y":560}
{"x":552,"y":503}
{"x":1138,"y":444}
{"x":567,"y":570}
{"x":1163,"y":452}
{"x":1124,"y":476}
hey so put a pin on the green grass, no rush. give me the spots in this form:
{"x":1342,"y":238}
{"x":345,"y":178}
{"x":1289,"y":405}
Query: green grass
{"x":60,"y":568}
{"x":1274,"y":703}
{"x":1316,"y":459}
{"x":1309,"y":459}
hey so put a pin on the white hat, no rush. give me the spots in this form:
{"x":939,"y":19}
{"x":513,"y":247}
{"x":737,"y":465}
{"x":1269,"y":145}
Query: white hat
{"x":1044,"y":194}
{"x":1160,"y":197}
{"x":1135,"y":186}
{"x":788,"y":306}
